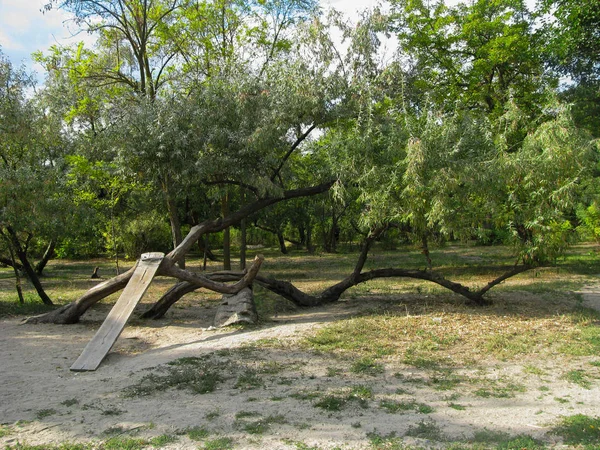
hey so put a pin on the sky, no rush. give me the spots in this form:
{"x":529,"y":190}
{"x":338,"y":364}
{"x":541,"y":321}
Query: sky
{"x":24,"y":28}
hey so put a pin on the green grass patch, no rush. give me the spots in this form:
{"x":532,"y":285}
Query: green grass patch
{"x":248,"y":380}
{"x":426,"y":429}
{"x":197,"y":433}
{"x":43,"y":413}
{"x":366,"y":366}
{"x":125,"y":443}
{"x":579,"y":430}
{"x":198,"y":375}
{"x":578,"y":377}
{"x":221,"y":443}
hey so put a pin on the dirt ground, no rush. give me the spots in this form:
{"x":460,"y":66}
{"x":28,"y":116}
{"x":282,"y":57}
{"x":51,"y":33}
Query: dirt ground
{"x":43,"y":402}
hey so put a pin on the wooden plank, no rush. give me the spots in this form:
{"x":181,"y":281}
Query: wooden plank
{"x":99,"y":346}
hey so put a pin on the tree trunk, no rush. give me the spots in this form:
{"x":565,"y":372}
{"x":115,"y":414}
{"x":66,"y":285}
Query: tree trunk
{"x":226,"y":234}
{"x":281,"y":241}
{"x":18,"y":286}
{"x":22,"y":254}
{"x":48,"y":255}
{"x":173,"y":218}
{"x":71,"y":313}
{"x":243,"y":244}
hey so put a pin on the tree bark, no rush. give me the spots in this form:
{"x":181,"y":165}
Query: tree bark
{"x":226,"y":234}
{"x":173,"y":217}
{"x":48,"y":255}
{"x":71,"y":313}
{"x":22,"y":254}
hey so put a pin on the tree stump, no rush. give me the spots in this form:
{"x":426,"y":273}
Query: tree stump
{"x":236,"y":308}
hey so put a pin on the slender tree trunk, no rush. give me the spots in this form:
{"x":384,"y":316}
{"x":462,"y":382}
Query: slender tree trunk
{"x":281,"y":241}
{"x":425,"y":251}
{"x":21,"y":253}
{"x":226,"y":234}
{"x":18,"y":285}
{"x":243,"y":244}
{"x":48,"y":255}
{"x":173,"y":217}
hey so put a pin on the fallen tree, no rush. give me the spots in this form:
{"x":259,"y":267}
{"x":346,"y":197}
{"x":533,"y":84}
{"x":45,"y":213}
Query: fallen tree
{"x":334,"y":292}
{"x":73,"y":311}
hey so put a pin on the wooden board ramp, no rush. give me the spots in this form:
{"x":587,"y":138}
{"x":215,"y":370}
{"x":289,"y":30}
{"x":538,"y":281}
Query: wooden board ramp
{"x":99,"y":346}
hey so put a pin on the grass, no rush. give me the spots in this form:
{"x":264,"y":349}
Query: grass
{"x":578,"y":377}
{"x":423,"y":333}
{"x":221,"y":443}
{"x":579,"y":430}
{"x":197,"y":433}
{"x":198,"y":375}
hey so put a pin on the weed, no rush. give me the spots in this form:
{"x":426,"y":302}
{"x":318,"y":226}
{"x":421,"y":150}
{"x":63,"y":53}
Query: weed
{"x":520,"y":443}
{"x":385,"y":441}
{"x":198,"y":375}
{"x":248,"y":380}
{"x":112,"y":412}
{"x":244,"y":414}
{"x":162,"y":440}
{"x":578,"y":377}
{"x":496,"y":391}
{"x":122,"y":443}
{"x":43,"y":413}
{"x":489,"y":436}
{"x":445,"y":380}
{"x":304,"y":395}
{"x":331,"y":403}
{"x":271,"y":368}
{"x":561,"y":400}
{"x":70,"y":402}
{"x":393,"y":407}
{"x":222,"y":443}
{"x":366,"y":366}
{"x":259,"y":426}
{"x":212,"y":414}
{"x":426,"y":430}
{"x":197,"y":433}
{"x":457,"y":406}
{"x":595,"y":363}
{"x":544,"y":389}
{"x":4,"y":431}
{"x":579,"y":429}
{"x":333,"y":371}
{"x":533,"y":370}
{"x":299,"y":445}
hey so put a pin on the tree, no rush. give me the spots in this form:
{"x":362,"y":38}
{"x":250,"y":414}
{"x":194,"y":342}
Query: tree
{"x":31,"y":169}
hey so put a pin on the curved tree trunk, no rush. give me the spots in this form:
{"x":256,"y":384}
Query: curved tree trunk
{"x":22,"y":254}
{"x":70,"y":313}
{"x":73,"y":311}
{"x":48,"y":255}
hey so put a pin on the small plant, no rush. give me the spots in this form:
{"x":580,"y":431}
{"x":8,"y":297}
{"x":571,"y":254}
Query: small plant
{"x":366,"y":366}
{"x":212,"y":415}
{"x":333,"y":372}
{"x":331,"y":403}
{"x":222,"y":443}
{"x":162,"y":440}
{"x":392,"y":406}
{"x":457,"y":406}
{"x":578,"y":377}
{"x":248,"y":380}
{"x":4,"y":431}
{"x":426,"y":430}
{"x":121,"y":443}
{"x":197,"y":433}
{"x":579,"y":430}
{"x":70,"y":402}
{"x":244,"y":414}
{"x":43,"y":413}
{"x":112,"y":412}
{"x":533,"y":370}
{"x":198,"y":375}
